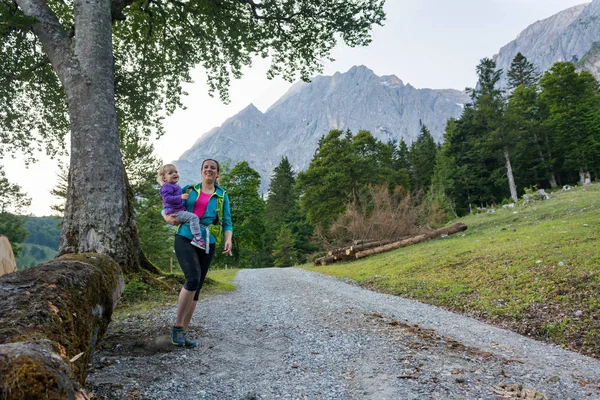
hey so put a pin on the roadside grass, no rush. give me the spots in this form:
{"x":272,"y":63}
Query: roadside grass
{"x":144,"y":293}
{"x":534,"y":269}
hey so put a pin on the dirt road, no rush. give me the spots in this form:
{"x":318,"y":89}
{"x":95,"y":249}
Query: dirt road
{"x":293,"y":334}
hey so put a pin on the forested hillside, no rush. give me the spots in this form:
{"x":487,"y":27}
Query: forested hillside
{"x":41,"y":243}
{"x":43,"y":231}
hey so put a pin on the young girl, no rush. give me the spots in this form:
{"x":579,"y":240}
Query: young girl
{"x":174,"y":202}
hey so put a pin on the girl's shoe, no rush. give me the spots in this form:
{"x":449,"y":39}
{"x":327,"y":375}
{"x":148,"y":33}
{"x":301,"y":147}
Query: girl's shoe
{"x":199,"y":242}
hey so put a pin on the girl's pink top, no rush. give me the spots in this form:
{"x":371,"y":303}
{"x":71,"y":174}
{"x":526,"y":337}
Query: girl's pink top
{"x":201,"y":203}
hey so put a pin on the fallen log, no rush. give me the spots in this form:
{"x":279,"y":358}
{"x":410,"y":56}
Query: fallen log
{"x":324,"y":260}
{"x":51,"y":319}
{"x":448,"y":230}
{"x":367,"y":245}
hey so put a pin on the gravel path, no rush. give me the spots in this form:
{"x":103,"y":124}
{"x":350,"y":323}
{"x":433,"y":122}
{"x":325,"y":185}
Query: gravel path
{"x":293,"y":334}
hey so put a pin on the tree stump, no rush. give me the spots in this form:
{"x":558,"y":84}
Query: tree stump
{"x":51,"y":319}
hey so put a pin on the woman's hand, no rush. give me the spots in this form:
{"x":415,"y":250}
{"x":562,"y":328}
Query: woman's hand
{"x":227,"y":247}
{"x":170,"y":219}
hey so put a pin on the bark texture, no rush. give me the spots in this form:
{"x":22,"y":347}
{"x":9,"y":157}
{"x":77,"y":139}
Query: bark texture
{"x":51,"y":319}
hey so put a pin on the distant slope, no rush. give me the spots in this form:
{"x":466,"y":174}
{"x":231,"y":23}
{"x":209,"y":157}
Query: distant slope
{"x":569,"y":35}
{"x":43,"y":231}
{"x":355,"y":100}
{"x":33,"y":254}
{"x":41,"y":244}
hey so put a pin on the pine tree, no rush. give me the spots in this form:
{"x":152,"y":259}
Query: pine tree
{"x":327,"y":184}
{"x":281,"y":200}
{"x":281,"y":197}
{"x":247,"y":213}
{"x":284,"y":253}
{"x":522,"y":73}
{"x":422,"y":160}
{"x":496,"y":141}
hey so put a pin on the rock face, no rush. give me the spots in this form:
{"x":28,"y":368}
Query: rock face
{"x":388,"y":108}
{"x":571,"y":35}
{"x":355,"y":100}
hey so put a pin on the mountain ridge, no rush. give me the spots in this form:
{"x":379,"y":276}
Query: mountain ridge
{"x":384,"y":105}
{"x":357,"y":99}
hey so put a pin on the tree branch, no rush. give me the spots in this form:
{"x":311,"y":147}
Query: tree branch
{"x":254,"y":7}
{"x":29,"y":70}
{"x":117,"y":7}
{"x":52,"y":35}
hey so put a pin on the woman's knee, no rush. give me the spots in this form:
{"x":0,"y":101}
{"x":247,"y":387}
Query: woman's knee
{"x":192,"y":284}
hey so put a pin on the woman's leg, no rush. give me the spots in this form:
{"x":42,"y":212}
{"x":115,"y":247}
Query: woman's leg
{"x":205,"y":260}
{"x":187,"y":255}
{"x":185,"y":307}
{"x":189,"y":312}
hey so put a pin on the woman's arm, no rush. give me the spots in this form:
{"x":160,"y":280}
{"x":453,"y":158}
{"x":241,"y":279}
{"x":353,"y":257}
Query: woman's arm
{"x":227,"y":225}
{"x":227,"y":247}
{"x":170,"y":219}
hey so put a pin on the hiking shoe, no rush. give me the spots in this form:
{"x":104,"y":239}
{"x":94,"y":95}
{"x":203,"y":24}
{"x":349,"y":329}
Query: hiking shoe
{"x":199,"y":242}
{"x":178,"y":336}
{"x":189,"y":343}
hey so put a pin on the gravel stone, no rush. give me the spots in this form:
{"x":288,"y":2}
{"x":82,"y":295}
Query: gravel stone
{"x":294,"y":334}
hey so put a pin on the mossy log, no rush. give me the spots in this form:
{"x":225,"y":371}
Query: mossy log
{"x":448,"y":230}
{"x":51,"y":319}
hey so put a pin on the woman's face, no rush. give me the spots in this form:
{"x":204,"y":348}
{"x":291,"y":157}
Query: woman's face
{"x":210,"y":171}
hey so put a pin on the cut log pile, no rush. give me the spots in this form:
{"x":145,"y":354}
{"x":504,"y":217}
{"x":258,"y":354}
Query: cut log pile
{"x":366,"y":248}
{"x":51,"y":318}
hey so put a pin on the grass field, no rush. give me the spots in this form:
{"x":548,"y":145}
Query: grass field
{"x":534,"y":269}
{"x":143,"y":294}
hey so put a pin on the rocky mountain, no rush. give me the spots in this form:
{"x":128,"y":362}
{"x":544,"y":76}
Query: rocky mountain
{"x":571,"y":35}
{"x":355,"y":100}
{"x":388,"y":108}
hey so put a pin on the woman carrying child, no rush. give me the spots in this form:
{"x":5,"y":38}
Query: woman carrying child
{"x":210,"y":203}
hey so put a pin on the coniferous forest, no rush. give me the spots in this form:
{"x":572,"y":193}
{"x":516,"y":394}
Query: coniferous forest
{"x":541,"y":132}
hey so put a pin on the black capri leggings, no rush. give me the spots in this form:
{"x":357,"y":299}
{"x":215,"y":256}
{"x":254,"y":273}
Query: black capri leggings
{"x":194,"y":262}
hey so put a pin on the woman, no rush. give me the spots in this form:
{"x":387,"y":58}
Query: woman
{"x":210,"y":203}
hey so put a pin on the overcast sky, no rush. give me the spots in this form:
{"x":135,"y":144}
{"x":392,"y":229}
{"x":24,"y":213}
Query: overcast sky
{"x":428,"y":43}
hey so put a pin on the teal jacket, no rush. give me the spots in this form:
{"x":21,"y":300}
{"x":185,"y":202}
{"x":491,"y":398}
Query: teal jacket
{"x":211,"y":210}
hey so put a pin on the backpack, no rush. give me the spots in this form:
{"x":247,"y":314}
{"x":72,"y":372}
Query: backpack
{"x":216,"y":227}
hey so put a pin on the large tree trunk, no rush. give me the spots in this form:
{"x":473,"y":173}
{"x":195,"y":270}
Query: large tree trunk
{"x":99,"y":215}
{"x":52,"y":318}
{"x":511,"y":178}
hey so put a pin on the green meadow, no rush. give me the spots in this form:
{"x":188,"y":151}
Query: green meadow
{"x":533,"y":269}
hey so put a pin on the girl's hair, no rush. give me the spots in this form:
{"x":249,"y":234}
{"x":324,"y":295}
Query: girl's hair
{"x":162,"y":171}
